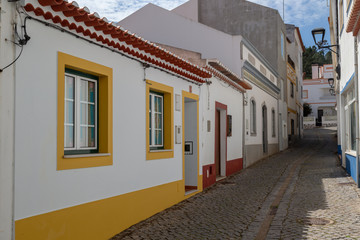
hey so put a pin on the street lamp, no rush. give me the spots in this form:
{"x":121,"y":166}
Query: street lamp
{"x":332,"y":92}
{"x":331,"y":82}
{"x":319,"y":33}
{"x":316,"y":33}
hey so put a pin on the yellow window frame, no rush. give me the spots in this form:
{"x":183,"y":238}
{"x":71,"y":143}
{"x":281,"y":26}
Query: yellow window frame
{"x":105,"y":74}
{"x":168,"y":123}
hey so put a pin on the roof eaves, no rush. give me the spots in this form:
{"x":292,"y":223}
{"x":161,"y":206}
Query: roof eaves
{"x":105,"y":30}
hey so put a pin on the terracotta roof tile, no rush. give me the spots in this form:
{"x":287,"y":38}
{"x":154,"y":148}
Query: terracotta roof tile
{"x":108,"y":34}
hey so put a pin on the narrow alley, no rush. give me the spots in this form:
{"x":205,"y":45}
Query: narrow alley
{"x":301,"y":193}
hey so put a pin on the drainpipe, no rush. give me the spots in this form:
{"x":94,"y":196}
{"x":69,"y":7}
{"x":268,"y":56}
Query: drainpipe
{"x":356,"y":107}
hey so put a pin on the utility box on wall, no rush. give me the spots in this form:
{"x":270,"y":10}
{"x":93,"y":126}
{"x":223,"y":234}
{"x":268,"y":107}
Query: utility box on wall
{"x":178,"y":134}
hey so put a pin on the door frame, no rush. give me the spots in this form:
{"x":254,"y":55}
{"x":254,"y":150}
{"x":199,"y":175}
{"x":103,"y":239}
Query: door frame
{"x":223,"y":154}
{"x":199,"y":177}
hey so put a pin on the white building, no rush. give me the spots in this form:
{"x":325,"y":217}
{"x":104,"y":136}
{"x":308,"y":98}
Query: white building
{"x":317,"y":94}
{"x":222,"y":118}
{"x":344,"y":31}
{"x":109,"y":128}
{"x":95,"y":114}
{"x":157,"y":24}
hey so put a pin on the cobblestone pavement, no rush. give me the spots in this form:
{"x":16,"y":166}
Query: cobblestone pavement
{"x":286,"y":196}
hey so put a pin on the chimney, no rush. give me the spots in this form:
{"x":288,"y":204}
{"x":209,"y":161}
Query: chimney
{"x":315,"y":71}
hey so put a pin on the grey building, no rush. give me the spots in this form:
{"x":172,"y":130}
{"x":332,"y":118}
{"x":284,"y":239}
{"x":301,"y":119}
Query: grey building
{"x":262,"y":26}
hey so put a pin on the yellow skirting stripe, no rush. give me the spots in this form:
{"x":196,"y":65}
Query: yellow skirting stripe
{"x":104,"y":218}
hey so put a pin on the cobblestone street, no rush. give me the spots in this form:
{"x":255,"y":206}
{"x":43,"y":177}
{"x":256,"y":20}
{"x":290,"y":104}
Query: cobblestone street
{"x":301,"y":193}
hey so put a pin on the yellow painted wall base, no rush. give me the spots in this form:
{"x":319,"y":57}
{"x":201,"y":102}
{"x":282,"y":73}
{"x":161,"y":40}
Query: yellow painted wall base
{"x":104,"y":218}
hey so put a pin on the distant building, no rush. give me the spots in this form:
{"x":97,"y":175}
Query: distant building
{"x":294,"y":83}
{"x":260,"y":25}
{"x":316,"y":93}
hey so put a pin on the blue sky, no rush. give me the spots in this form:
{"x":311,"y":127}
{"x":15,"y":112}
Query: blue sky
{"x":306,"y":14}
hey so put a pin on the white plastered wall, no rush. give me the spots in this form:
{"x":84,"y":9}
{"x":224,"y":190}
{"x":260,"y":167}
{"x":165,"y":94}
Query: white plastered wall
{"x":7,"y":106}
{"x":162,"y":26}
{"x":221,"y":92}
{"x":271,"y":103}
{"x":40,"y":188}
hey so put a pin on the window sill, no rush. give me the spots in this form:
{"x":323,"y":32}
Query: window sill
{"x":87,"y":155}
{"x":161,"y":150}
{"x":159,"y":154}
{"x":351,"y":153}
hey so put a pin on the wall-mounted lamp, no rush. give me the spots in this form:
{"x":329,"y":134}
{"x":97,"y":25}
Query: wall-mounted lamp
{"x":318,"y":35}
{"x":331,"y":83}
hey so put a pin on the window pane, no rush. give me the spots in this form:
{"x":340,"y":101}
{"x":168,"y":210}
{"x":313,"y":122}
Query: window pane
{"x":69,"y":87}
{"x":158,"y":121}
{"x":158,"y":137}
{"x":83,"y":113}
{"x":150,"y":120}
{"x":352,"y":126}
{"x":91,"y":116}
{"x":91,"y":97}
{"x":156,"y":103}
{"x":69,"y":112}
{"x":69,"y":139}
{"x":83,"y":90}
{"x":159,"y":107}
{"x":91,"y":137}
{"x":83,"y":137}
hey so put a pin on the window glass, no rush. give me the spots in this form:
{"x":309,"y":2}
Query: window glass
{"x":252,"y":116}
{"x":156,"y":110}
{"x":352,"y":126}
{"x":273,"y":122}
{"x":80,"y":128}
{"x":341,"y":13}
{"x":282,"y":46}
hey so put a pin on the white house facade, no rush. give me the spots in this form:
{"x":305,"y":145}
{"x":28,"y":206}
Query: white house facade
{"x":156,"y":24}
{"x":344,"y":26}
{"x":317,"y":94}
{"x":102,"y":126}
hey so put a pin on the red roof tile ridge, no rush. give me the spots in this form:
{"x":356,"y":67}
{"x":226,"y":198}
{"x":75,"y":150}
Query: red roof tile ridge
{"x":224,"y":78}
{"x":83,"y":15}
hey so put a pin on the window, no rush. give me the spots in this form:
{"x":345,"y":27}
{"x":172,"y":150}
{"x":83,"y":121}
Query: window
{"x":84,"y":129}
{"x":352,"y":126}
{"x":297,"y":84}
{"x":273,"y":122}
{"x":159,"y":121}
{"x":252,"y":117}
{"x":348,"y":3}
{"x":156,"y":128}
{"x":291,"y":89}
{"x":282,"y":46}
{"x":305,"y":94}
{"x":341,"y":14}
{"x":80,"y":122}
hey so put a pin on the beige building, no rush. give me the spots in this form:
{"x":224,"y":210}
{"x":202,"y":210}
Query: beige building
{"x":294,"y":83}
